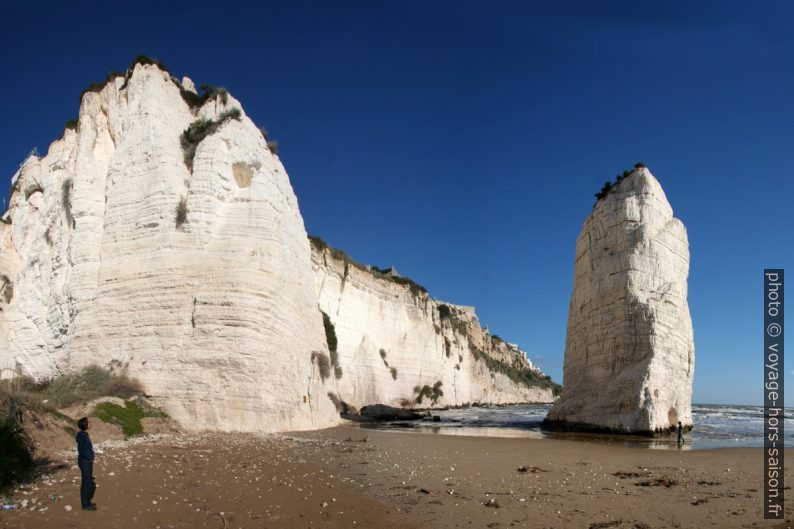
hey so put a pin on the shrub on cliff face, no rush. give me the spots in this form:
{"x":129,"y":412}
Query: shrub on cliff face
{"x":340,"y":405}
{"x":66,"y":200}
{"x":192,"y":136}
{"x":71,"y":124}
{"x":112,"y":75}
{"x":330,"y":338}
{"x":97,"y":87}
{"x":393,"y":373}
{"x":433,"y":393}
{"x":211,"y":92}
{"x":145,"y":59}
{"x":317,"y":242}
{"x":609,"y":186}
{"x":415,"y":287}
{"x":444,"y":311}
{"x":7,"y":290}
{"x":323,"y":364}
{"x":181,"y":212}
{"x":604,"y":190}
{"x":195,"y":101}
{"x":330,"y":333}
{"x":200,"y":129}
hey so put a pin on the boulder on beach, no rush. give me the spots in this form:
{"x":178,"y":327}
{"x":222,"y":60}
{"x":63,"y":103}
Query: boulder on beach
{"x":382,"y":412}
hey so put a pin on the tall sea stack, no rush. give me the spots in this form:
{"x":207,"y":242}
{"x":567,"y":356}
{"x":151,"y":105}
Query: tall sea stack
{"x":629,"y":351}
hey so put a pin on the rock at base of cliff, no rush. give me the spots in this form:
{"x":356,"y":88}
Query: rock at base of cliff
{"x":382,"y":412}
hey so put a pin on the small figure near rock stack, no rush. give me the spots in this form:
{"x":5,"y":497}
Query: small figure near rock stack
{"x":629,"y":350}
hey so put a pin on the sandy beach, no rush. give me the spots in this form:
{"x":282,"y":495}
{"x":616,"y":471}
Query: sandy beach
{"x":355,"y":477}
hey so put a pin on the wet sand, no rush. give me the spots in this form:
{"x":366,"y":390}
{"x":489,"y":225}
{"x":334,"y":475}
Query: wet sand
{"x":353,"y":477}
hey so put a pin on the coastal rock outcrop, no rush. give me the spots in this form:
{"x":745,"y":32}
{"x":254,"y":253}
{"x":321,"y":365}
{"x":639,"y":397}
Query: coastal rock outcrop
{"x":396,"y":345}
{"x":160,"y":235}
{"x":629,"y":351}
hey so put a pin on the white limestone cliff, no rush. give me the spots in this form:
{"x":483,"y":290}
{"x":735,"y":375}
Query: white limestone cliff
{"x":394,"y":338}
{"x":193,"y":272}
{"x":629,"y":352}
{"x":216,"y":314}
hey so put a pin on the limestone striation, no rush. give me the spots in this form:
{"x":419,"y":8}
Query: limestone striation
{"x":179,"y":256}
{"x":160,"y":235}
{"x":396,"y":345}
{"x":629,"y":352}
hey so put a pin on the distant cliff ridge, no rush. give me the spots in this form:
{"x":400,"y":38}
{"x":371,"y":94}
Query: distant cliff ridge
{"x":399,"y":346}
{"x":160,"y":233}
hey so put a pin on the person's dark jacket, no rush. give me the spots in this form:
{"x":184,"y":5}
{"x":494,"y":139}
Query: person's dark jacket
{"x":85,"y":449}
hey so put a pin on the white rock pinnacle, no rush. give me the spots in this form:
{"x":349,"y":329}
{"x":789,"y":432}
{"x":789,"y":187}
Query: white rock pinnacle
{"x":629,"y":352}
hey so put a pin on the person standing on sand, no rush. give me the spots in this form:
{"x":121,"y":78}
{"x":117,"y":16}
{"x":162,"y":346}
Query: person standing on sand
{"x":85,"y":461}
{"x":680,"y":433}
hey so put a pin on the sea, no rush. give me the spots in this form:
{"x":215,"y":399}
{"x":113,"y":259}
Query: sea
{"x":715,"y":426}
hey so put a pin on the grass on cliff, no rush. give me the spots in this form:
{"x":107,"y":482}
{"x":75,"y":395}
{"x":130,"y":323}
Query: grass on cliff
{"x":200,"y":129}
{"x":381,"y":273}
{"x":129,"y":417}
{"x":65,"y":390}
{"x":528,"y":377}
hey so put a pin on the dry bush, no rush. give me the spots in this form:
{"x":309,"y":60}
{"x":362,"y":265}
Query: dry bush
{"x":65,"y":390}
{"x":323,"y":363}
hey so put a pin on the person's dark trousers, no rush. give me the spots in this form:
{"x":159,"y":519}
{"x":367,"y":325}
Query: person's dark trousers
{"x":87,"y":486}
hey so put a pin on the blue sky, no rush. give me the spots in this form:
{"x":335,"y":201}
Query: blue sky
{"x":462,"y":142}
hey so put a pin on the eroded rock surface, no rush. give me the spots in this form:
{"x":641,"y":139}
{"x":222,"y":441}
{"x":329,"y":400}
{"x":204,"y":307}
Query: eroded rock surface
{"x":151,"y":241}
{"x":629,"y":352}
{"x":195,"y":277}
{"x":396,"y":345}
